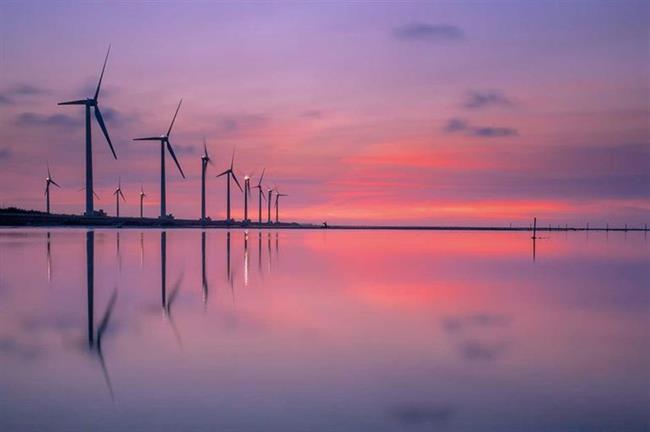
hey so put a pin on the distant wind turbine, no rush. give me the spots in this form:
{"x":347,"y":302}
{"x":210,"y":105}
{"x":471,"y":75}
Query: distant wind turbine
{"x":48,"y":182}
{"x":142,"y":196}
{"x":277,"y":204}
{"x":205,"y":160}
{"x":118,"y":193}
{"x":230,"y":173}
{"x":88,"y":103}
{"x":164,"y":141}
{"x":260,"y":196}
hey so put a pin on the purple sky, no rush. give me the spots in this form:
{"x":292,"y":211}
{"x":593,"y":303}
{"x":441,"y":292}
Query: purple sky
{"x":432,"y":112}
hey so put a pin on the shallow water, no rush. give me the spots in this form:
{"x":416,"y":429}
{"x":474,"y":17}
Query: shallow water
{"x":323,"y":331}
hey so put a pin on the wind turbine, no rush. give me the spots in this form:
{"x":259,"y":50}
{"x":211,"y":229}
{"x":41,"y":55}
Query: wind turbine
{"x":142,"y":195}
{"x":247,"y":193}
{"x":268,"y":202}
{"x":277,"y":204}
{"x":260,"y":195}
{"x":164,"y":141}
{"x":48,"y":182}
{"x":205,"y":160}
{"x":92,"y":103}
{"x":230,"y":173}
{"x":118,"y":193}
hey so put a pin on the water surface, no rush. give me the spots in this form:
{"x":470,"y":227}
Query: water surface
{"x":110,"y":330}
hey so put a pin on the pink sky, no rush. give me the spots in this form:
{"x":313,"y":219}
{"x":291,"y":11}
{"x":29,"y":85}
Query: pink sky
{"x":380,"y":113}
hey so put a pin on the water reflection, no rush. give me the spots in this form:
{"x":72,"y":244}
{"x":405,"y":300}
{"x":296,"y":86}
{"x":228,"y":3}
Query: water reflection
{"x":167,"y":302}
{"x":117,"y":248}
{"x":245,"y":258}
{"x":95,"y":343}
{"x":259,"y":251}
{"x":141,"y":250}
{"x":354,"y":330}
{"x":204,"y":278}
{"x":49,"y":259}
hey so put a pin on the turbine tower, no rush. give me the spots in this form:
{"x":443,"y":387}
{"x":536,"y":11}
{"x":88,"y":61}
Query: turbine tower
{"x":230,"y":173}
{"x":142,"y":195}
{"x":48,"y":182}
{"x":268,"y":202}
{"x":260,"y":196}
{"x":92,"y":103}
{"x":277,"y":204}
{"x":247,"y":193}
{"x":164,"y":141}
{"x":205,"y":160}
{"x":118,"y":193}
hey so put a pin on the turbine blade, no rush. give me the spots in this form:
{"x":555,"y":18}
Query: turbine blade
{"x":122,"y":195}
{"x":147,"y":139}
{"x":224,"y":173}
{"x":259,"y":183}
{"x":171,"y":151}
{"x":174,"y":119}
{"x":99,"y":84}
{"x":74,"y":102}
{"x":232,"y":160}
{"x":100,"y":120}
{"x":55,"y":184}
{"x":96,"y":196}
{"x":236,"y":181}
{"x":48,"y":170}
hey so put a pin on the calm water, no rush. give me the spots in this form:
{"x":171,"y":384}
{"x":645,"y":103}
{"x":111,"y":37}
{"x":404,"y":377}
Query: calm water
{"x":323,"y":331}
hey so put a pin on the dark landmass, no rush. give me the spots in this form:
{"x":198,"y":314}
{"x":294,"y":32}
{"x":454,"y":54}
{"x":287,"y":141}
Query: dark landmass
{"x":21,"y":218}
{"x":15,"y":217}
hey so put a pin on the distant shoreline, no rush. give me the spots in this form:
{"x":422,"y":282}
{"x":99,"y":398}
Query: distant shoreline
{"x":17,"y":218}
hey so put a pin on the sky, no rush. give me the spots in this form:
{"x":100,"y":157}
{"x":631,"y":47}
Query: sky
{"x":412,"y":112}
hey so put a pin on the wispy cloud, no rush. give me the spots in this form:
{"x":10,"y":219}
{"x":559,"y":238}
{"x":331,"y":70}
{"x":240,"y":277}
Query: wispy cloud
{"x":112,"y":117}
{"x":480,"y":320}
{"x":116,"y":118}
{"x":232,"y":124}
{"x":38,"y":120}
{"x":478,"y":350}
{"x":11,"y":95}
{"x":457,"y":125}
{"x":185,"y":149}
{"x":421,"y":31}
{"x":313,"y":114}
{"x":484,"y":99}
